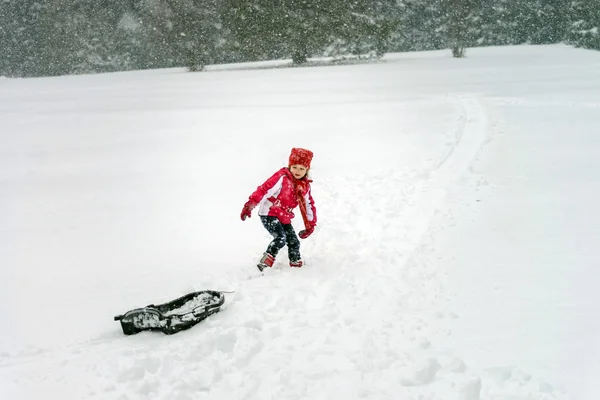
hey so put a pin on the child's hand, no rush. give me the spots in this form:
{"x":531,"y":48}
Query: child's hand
{"x":247,"y":210}
{"x":306,"y":232}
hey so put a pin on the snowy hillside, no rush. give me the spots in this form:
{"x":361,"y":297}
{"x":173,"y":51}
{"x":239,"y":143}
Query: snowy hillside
{"x":455,"y":258}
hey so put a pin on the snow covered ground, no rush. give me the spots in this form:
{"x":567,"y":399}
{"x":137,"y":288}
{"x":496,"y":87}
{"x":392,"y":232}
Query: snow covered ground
{"x":456,"y":256}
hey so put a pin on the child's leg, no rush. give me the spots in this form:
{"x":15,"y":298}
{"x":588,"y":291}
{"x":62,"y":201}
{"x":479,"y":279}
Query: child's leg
{"x":293,"y":243}
{"x":275,"y":228}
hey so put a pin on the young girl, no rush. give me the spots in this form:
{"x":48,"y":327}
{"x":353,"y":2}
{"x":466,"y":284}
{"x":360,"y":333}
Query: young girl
{"x":276,"y":198}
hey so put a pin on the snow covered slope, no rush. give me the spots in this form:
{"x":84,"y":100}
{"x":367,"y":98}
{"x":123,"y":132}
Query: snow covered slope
{"x":455,"y":256}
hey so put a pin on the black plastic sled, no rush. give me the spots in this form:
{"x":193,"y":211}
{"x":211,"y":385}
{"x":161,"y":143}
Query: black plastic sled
{"x":174,"y":316}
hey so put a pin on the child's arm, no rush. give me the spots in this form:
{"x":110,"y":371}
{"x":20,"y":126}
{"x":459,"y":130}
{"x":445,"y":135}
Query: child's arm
{"x":310,"y":219}
{"x":311,"y":209}
{"x":269,"y":186}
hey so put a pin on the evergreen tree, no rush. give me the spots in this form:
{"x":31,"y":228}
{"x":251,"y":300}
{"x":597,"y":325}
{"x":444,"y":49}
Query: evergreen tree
{"x":62,"y":37}
{"x":362,"y":27}
{"x":506,"y":22}
{"x":550,"y":21}
{"x":303,"y":28}
{"x":460,"y":24}
{"x":302,"y":25}
{"x":101,"y":43}
{"x":438,"y":24}
{"x":584,"y":27}
{"x":185,"y":31}
{"x":19,"y":37}
{"x":56,"y":44}
{"x":288,"y":28}
{"x":419,"y":26}
{"x":56,"y":37}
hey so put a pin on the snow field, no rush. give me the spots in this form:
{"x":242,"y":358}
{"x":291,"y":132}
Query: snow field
{"x":118,"y":201}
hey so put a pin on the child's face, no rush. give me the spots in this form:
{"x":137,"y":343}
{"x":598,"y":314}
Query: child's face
{"x":298,"y":171}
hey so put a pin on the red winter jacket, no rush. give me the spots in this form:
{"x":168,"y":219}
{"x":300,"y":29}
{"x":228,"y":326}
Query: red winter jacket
{"x":277,"y":197}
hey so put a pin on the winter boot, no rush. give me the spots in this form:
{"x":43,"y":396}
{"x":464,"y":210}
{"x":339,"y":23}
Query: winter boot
{"x":296,"y":264}
{"x":267,"y":260}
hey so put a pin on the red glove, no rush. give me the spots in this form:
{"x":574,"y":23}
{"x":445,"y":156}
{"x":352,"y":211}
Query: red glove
{"x":247,"y":210}
{"x":306,"y":232}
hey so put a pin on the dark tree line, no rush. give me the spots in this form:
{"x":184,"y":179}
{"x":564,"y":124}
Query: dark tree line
{"x":55,"y":37}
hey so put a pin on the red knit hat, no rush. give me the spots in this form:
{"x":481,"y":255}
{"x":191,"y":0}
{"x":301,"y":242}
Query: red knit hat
{"x":301,"y":157}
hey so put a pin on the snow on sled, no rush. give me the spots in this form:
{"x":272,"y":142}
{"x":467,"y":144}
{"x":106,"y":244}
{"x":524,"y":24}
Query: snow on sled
{"x":174,"y":316}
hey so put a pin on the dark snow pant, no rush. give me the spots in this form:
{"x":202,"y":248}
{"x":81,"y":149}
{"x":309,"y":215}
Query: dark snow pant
{"x":282,"y":234}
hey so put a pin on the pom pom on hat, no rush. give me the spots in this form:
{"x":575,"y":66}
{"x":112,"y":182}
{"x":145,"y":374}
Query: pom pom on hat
{"x":301,"y":157}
